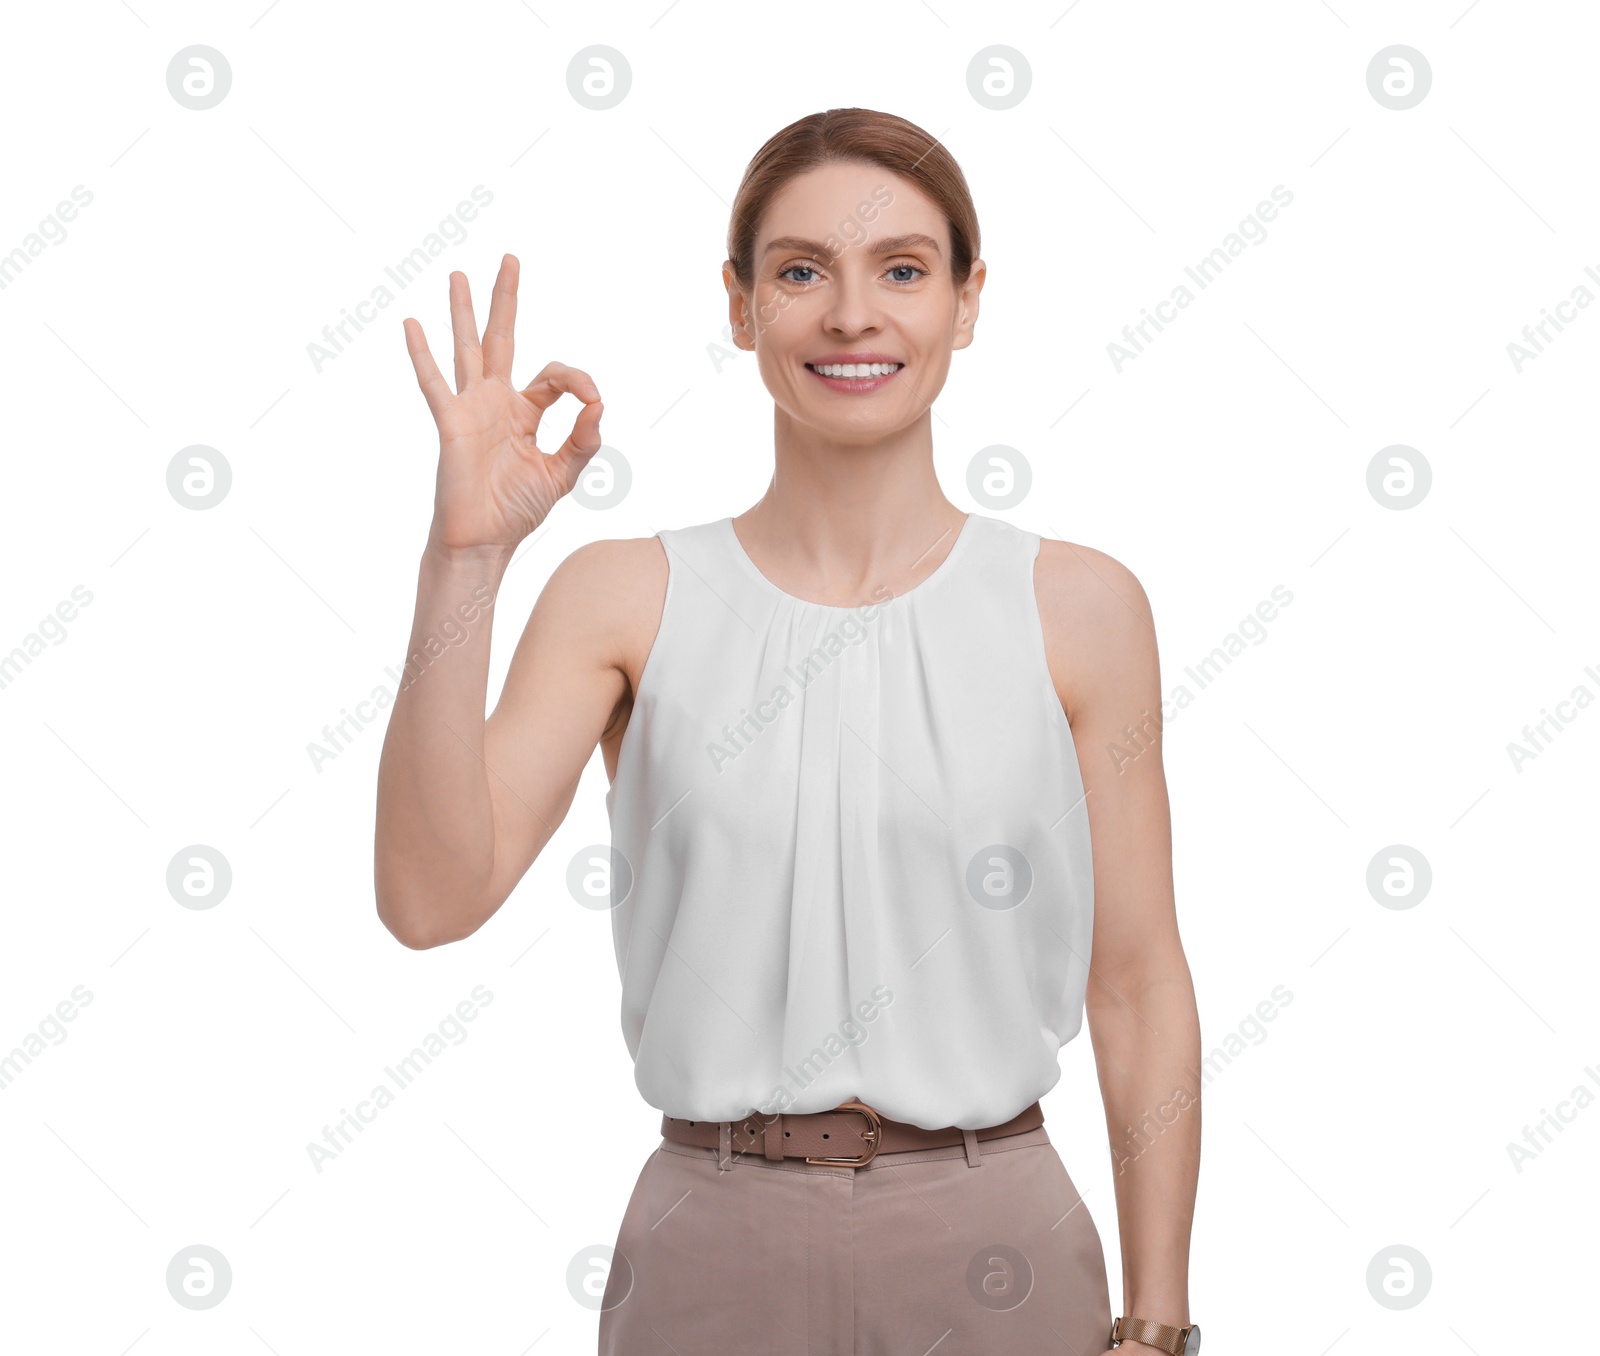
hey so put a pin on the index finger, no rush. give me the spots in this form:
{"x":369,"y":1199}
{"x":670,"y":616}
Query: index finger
{"x":558,"y":379}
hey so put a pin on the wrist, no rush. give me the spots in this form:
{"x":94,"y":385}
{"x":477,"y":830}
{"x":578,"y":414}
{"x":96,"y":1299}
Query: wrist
{"x":1138,"y":1333}
{"x":1169,"y":1307}
{"x":476,"y":561}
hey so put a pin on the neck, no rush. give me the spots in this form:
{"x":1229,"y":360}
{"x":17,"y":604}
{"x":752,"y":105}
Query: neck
{"x":839,"y":516}
{"x":849,"y":502}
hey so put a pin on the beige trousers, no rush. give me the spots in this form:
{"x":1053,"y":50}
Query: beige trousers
{"x":916,"y":1254}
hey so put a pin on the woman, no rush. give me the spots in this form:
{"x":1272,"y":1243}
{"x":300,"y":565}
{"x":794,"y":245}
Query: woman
{"x":867,"y":737}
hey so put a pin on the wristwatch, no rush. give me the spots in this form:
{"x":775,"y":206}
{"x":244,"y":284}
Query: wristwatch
{"x":1178,"y":1341}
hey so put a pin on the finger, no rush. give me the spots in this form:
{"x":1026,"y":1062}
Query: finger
{"x":469,"y":357}
{"x":556,"y":380}
{"x":581,"y":444}
{"x":497,"y":335}
{"x":435,"y":389}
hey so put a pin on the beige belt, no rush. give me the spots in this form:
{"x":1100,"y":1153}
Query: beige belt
{"x":850,"y":1135}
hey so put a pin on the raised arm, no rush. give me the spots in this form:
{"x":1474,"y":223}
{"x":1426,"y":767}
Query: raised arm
{"x":465,"y":804}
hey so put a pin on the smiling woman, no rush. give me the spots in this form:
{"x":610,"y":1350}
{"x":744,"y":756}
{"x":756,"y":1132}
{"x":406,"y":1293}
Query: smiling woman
{"x":843,"y":729}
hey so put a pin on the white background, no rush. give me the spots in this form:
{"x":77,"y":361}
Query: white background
{"x":1229,"y":457}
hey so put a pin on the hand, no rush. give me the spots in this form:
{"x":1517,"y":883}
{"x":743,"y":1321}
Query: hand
{"x":494,"y":485}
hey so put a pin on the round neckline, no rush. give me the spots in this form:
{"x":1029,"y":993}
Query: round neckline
{"x":753,"y":570}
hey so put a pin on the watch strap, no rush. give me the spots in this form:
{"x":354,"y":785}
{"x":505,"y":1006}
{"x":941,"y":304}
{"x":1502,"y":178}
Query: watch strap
{"x":1151,"y":1333}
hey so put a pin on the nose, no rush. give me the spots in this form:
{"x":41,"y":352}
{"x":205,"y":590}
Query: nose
{"x":852,"y":303}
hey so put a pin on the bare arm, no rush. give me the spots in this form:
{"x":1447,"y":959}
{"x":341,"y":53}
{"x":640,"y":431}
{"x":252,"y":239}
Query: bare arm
{"x":466,"y":805}
{"x":1140,"y":1003}
{"x":455,"y":830}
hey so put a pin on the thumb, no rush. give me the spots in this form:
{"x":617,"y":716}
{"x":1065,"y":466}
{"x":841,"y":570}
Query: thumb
{"x":581,"y":444}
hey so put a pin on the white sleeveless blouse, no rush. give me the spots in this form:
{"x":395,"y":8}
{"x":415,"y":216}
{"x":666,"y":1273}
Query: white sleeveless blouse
{"x":850,"y":847}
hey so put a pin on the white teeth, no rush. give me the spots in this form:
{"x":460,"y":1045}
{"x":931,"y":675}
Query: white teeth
{"x":855,"y":369}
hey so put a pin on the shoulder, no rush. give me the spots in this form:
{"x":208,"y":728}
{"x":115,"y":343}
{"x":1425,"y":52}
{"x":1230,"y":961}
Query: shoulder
{"x":1090,"y":586}
{"x":610,"y":562}
{"x":601,"y":604}
{"x":1099,"y":627}
{"x":610,"y":584}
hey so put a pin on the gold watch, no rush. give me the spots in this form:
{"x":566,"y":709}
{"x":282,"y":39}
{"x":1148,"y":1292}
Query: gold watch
{"x":1177,"y":1341}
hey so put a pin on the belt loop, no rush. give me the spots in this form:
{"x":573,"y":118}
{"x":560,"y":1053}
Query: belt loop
{"x":970,"y":1139}
{"x":773,"y":1144}
{"x":724,"y":1145}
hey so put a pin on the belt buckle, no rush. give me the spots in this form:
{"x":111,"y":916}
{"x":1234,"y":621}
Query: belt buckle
{"x":874,"y":1137}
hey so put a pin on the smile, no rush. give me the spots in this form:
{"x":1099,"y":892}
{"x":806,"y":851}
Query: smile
{"x":855,"y":377}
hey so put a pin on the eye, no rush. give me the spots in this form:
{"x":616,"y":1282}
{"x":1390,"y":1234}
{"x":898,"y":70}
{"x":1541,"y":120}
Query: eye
{"x":893,"y":270}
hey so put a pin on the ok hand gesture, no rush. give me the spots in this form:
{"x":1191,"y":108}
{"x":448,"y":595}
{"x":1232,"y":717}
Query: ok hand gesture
{"x":494,"y":485}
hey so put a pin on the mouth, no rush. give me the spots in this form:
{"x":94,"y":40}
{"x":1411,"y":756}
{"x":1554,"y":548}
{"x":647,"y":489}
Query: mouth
{"x":855,"y":377}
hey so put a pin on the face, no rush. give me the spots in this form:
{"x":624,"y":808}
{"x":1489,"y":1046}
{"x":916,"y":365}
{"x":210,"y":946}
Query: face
{"x":852,"y":267}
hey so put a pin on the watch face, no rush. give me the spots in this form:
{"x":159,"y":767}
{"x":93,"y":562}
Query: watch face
{"x":1191,"y":1346}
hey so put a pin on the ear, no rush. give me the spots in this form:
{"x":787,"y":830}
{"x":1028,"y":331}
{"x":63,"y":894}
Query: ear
{"x":967,"y":305}
{"x":738,"y":316}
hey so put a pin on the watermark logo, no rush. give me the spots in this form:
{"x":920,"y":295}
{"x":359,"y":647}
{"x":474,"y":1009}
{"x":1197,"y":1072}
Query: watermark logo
{"x":1399,"y":877}
{"x":599,"y":1277}
{"x":199,"y":477}
{"x":199,"y":77}
{"x":1399,"y":77}
{"x":999,"y":477}
{"x":1399,"y":477}
{"x":999,"y":77}
{"x":599,"y":77}
{"x":604,"y":481}
{"x":199,"y":877}
{"x":1399,"y":1276}
{"x":999,"y":876}
{"x":199,"y":1277}
{"x":599,"y":877}
{"x":1000,"y":1277}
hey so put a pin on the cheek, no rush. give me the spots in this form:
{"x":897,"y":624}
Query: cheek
{"x":941,"y":312}
{"x":778,"y":372}
{"x":771,"y":305}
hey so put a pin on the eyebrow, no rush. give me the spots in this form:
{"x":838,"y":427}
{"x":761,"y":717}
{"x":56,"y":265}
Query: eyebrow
{"x":893,"y":244}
